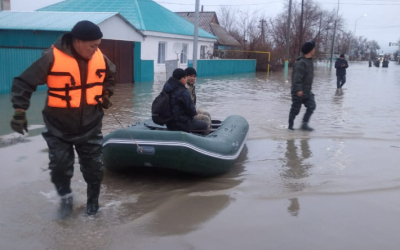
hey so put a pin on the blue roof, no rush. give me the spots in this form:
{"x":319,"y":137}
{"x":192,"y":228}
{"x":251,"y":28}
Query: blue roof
{"x":145,"y":15}
{"x":49,"y":21}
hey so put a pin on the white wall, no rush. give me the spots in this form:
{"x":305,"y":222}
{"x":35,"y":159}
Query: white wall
{"x":116,"y":28}
{"x":150,"y":48}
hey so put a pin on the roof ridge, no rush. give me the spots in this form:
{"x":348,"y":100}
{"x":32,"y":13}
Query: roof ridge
{"x":194,"y":12}
{"x":140,"y":16}
{"x":57,"y":11}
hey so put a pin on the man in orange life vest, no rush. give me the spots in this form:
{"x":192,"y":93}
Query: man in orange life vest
{"x":80,"y":80}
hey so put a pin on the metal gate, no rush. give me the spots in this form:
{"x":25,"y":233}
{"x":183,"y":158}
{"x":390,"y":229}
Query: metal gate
{"x":170,"y":66}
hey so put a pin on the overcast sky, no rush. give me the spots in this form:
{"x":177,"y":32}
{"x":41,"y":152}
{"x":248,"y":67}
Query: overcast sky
{"x":382,"y":22}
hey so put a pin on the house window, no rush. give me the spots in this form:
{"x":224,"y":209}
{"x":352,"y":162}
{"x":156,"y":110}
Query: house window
{"x":161,"y":52}
{"x":202,"y":52}
{"x":184,"y":53}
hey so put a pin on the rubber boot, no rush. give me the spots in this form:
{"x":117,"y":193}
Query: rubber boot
{"x":93,"y":192}
{"x":291,"y":121}
{"x":305,"y":127}
{"x":65,"y":208}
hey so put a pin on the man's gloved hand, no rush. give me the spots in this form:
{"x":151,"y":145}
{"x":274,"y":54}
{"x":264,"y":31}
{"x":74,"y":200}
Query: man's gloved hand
{"x":19,"y":122}
{"x":106,"y":102}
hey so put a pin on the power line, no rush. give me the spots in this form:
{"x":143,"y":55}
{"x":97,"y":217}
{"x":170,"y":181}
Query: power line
{"x":381,"y":27}
{"x":374,"y":4}
{"x":223,"y":4}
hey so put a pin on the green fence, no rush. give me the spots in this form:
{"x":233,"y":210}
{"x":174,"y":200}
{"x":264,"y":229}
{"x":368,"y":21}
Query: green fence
{"x":224,"y":67}
{"x":144,"y":69}
{"x":13,"y":62}
{"x":29,"y":39}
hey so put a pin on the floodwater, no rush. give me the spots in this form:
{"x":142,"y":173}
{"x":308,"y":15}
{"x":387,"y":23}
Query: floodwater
{"x":334,"y":188}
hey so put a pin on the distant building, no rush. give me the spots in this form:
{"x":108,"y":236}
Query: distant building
{"x":208,"y":21}
{"x":139,"y":36}
{"x":161,"y":27}
{"x":24,"y":36}
{"x":5,"y":5}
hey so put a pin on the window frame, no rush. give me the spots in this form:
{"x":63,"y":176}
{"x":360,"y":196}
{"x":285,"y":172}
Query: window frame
{"x":159,"y":59}
{"x":203,"y":52}
{"x":184,"y":53}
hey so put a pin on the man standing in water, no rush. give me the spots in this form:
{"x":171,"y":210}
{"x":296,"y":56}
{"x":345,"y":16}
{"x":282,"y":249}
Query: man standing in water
{"x":341,"y":65}
{"x":80,"y":81}
{"x":302,"y":79}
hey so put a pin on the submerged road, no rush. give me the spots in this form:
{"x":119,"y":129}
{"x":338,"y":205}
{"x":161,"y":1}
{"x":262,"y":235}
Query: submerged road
{"x":334,"y":188}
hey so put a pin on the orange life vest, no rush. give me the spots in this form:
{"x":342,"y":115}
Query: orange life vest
{"x":64,"y":81}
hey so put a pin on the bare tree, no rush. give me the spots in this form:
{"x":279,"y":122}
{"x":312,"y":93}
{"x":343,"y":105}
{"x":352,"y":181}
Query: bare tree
{"x":318,"y":25}
{"x":227,"y":19}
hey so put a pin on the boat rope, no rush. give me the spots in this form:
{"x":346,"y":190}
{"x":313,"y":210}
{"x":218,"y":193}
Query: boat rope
{"x":139,"y":147}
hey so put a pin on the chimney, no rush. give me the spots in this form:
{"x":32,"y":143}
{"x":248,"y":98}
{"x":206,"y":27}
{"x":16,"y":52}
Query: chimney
{"x":202,"y":7}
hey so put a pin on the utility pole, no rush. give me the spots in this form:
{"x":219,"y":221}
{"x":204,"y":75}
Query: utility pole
{"x":319,"y":29}
{"x":196,"y":33}
{"x":354,"y":34}
{"x":334,"y":35}
{"x":2,"y":5}
{"x":263,"y":31}
{"x":301,"y":25}
{"x":286,"y":68}
{"x":369,"y":56}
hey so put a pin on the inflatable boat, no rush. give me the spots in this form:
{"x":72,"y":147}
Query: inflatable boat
{"x":146,"y":144}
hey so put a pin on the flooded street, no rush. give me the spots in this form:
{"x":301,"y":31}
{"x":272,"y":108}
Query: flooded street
{"x":334,"y":188}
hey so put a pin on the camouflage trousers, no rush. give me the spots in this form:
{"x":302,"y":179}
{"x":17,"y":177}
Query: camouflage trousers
{"x":203,"y":116}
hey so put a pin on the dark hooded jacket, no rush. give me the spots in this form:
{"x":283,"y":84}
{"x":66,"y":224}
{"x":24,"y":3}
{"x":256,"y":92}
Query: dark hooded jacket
{"x":341,"y":65}
{"x":71,"y":124}
{"x":182,"y":107}
{"x":302,"y":76}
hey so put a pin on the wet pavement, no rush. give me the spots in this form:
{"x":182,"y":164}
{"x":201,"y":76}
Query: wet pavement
{"x":334,"y":188}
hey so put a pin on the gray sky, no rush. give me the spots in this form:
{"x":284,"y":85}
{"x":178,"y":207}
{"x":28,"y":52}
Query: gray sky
{"x":382,"y":22}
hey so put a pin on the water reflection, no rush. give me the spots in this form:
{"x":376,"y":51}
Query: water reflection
{"x":296,"y":169}
{"x":149,"y":201}
{"x":294,"y":207}
{"x":338,"y":111}
{"x":176,"y":203}
{"x":339,"y":92}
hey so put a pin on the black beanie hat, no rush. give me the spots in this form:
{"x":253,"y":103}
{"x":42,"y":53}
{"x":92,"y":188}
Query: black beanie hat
{"x":178,"y":73}
{"x":86,"y":31}
{"x":341,"y":56}
{"x":307,"y":47}
{"x":190,"y":71}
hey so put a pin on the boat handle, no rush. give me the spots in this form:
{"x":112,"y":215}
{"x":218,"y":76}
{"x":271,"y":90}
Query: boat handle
{"x":146,"y":150}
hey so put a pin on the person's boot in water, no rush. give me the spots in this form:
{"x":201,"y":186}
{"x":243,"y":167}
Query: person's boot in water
{"x":65,"y":208}
{"x":93,"y":192}
{"x":291,"y":121}
{"x":305,"y":127}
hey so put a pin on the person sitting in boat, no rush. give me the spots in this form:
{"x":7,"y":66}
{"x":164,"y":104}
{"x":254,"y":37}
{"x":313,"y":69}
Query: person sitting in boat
{"x":191,"y":79}
{"x":182,"y":106}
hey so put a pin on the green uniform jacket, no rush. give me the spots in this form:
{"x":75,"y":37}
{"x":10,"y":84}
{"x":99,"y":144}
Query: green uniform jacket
{"x":69,"y":124}
{"x":303,"y":75}
{"x":192,"y":91}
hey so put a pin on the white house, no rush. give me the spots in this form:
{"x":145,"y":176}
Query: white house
{"x":31,"y":32}
{"x":161,"y":28}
